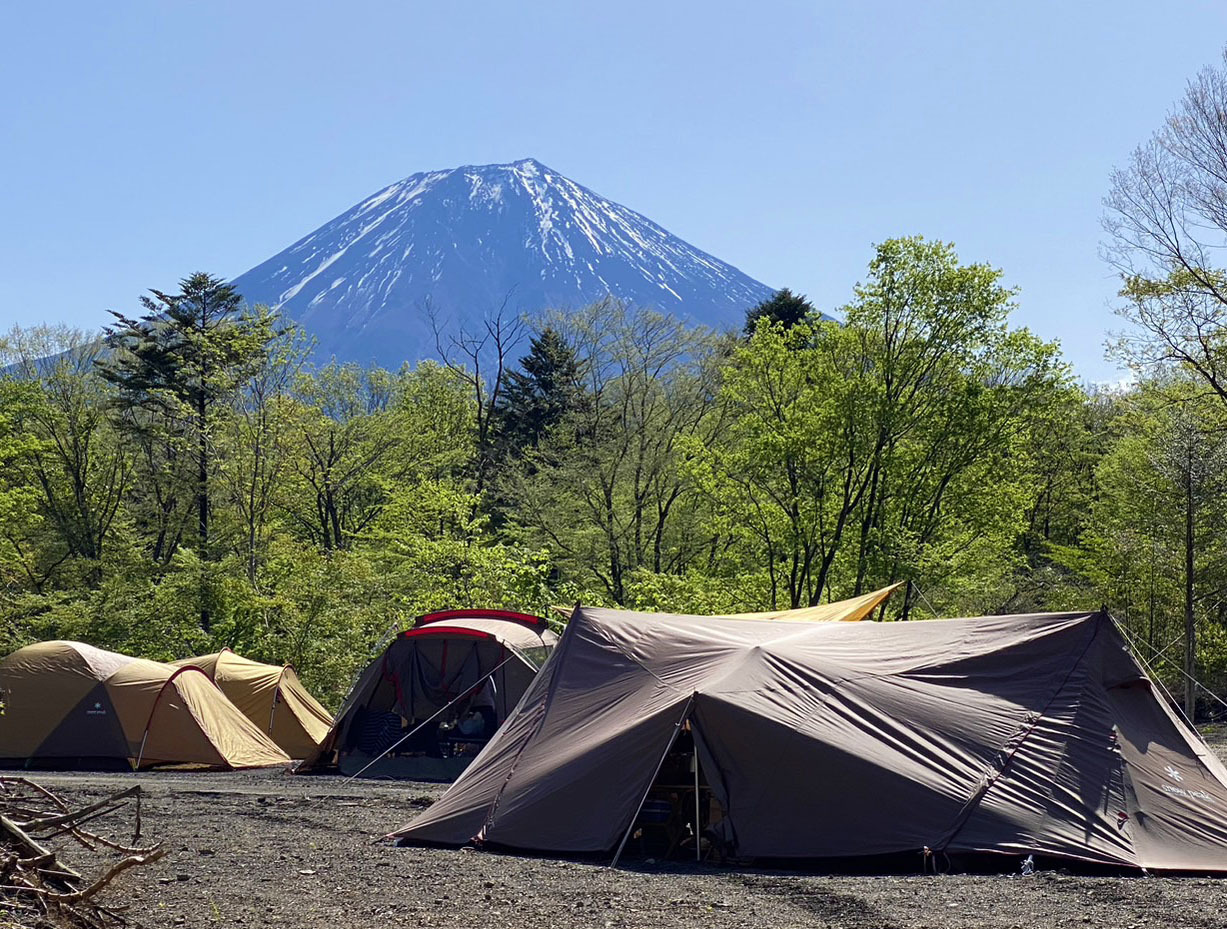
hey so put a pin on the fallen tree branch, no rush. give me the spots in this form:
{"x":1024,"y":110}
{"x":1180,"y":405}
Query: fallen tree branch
{"x":37,"y":788}
{"x":118,"y":868}
{"x":33,"y":879}
{"x":48,"y":821}
{"x":25,"y":841}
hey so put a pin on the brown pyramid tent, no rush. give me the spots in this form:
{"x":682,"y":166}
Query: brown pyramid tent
{"x":1035,"y":734}
{"x":69,"y":704}
{"x":435,"y":667}
{"x":271,"y":696}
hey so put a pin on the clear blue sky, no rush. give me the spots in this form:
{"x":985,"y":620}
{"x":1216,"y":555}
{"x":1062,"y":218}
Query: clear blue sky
{"x":142,"y":141}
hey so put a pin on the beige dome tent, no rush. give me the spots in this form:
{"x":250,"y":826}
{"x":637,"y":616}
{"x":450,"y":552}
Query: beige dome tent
{"x":69,"y":704}
{"x":1010,"y":735}
{"x":428,"y":678}
{"x":271,"y":696}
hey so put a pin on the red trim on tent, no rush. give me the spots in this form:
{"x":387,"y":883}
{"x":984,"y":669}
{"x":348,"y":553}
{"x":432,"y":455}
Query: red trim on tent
{"x":393,"y":678}
{"x":479,"y":614}
{"x":446,"y":630}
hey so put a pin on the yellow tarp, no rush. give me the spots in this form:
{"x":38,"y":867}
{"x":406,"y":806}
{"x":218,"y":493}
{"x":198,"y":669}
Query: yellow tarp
{"x":841,"y":611}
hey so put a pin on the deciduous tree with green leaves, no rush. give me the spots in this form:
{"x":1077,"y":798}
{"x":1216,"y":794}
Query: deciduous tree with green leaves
{"x":875,"y":451}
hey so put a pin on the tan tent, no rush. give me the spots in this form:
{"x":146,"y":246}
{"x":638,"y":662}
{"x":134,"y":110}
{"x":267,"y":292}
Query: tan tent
{"x":271,"y":696}
{"x":429,"y":678}
{"x":69,"y":704}
{"x":1017,"y":735}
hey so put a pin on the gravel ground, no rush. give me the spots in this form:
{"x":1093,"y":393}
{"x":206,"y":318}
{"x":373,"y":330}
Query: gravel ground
{"x":268,"y":849}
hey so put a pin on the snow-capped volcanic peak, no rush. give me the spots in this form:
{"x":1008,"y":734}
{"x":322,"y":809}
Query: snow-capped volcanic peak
{"x":461,"y":243}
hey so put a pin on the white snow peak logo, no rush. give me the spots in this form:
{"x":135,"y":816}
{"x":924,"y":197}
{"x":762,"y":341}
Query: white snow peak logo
{"x":1173,"y":774}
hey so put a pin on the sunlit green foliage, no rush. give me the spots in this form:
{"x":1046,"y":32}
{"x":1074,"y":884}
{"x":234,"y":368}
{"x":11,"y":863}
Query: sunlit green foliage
{"x":628,"y":458}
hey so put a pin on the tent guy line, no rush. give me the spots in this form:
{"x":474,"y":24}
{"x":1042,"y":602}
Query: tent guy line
{"x":1133,"y":642}
{"x":422,"y":725}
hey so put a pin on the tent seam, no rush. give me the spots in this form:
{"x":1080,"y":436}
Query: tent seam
{"x":977,"y":798}
{"x":488,"y":821}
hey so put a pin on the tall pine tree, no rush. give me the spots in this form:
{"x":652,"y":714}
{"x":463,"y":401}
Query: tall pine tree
{"x":783,"y":307}
{"x":175,"y":364}
{"x":538,"y":395}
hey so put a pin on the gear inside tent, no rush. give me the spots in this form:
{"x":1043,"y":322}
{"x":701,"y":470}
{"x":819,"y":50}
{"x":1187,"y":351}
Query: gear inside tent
{"x":436,"y":695}
{"x":271,"y":696}
{"x":67,"y":704}
{"x":999,"y":735}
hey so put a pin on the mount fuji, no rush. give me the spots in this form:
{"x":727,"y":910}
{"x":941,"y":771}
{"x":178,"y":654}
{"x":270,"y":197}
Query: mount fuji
{"x":461,"y":244}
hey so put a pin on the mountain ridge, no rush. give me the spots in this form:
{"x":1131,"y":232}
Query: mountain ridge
{"x":463,"y":242}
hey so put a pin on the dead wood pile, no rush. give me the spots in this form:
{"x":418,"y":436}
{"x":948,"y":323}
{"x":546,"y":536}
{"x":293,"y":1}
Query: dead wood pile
{"x":38,"y":888}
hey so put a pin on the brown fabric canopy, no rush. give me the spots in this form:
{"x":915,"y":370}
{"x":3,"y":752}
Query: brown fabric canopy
{"x":1007,"y":734}
{"x":70,"y":703}
{"x":271,"y":696}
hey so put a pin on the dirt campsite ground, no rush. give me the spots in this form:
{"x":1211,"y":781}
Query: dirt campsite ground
{"x":268,"y":849}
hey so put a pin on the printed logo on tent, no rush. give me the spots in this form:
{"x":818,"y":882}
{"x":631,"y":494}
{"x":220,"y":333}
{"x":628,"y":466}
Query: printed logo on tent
{"x":1185,"y":793}
{"x":96,"y":710}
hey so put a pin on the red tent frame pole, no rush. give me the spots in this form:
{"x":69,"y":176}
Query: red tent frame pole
{"x":677,"y":727}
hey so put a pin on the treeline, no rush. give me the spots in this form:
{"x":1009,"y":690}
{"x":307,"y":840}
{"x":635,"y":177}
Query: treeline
{"x":190,"y":481}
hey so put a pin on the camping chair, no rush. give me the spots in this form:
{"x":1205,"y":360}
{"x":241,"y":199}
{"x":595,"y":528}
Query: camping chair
{"x":660,"y":815}
{"x":377,"y":732}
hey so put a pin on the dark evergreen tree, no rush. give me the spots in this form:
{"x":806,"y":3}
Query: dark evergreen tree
{"x":538,"y":395}
{"x":175,"y":364}
{"x":783,"y":307}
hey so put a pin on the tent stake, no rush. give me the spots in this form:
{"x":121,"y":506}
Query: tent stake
{"x":677,"y":727}
{"x":416,"y":729}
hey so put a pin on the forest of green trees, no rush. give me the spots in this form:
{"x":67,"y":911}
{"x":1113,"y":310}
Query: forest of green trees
{"x":193,"y":479}
{"x":190,"y":482}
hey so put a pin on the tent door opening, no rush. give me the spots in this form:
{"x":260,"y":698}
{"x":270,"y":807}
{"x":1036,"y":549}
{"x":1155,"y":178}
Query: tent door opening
{"x":674,"y":820}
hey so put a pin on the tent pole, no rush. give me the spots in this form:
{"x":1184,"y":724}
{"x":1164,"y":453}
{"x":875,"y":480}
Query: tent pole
{"x":393,"y":747}
{"x":273,"y":709}
{"x":698,"y":832}
{"x":677,"y":727}
{"x":141,"y":756}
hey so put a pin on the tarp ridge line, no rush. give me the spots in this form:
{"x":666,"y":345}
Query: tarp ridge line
{"x":740,"y":655}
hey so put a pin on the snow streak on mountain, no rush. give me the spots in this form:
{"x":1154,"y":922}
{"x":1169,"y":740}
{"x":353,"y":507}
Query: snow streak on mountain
{"x":463,"y":242}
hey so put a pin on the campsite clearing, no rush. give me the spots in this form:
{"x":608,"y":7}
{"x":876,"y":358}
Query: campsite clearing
{"x":265,"y":849}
